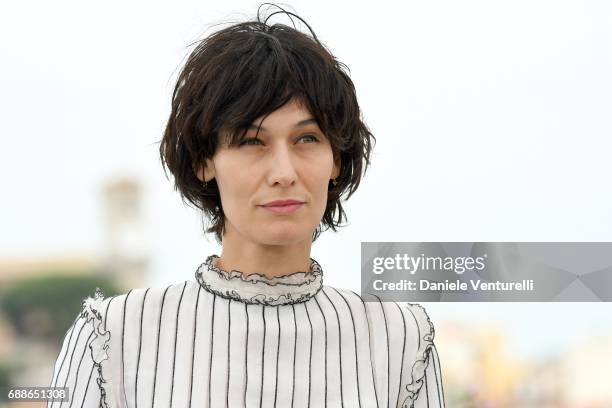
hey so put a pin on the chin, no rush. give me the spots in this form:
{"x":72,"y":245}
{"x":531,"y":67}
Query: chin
{"x":284,"y":236}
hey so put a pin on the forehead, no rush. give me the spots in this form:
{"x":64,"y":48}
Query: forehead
{"x":293,"y":113}
{"x":291,"y":116}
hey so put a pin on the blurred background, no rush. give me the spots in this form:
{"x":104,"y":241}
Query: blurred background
{"x":492,"y":122}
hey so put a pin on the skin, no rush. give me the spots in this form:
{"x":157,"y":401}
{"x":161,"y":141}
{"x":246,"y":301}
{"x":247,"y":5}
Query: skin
{"x":287,"y":162}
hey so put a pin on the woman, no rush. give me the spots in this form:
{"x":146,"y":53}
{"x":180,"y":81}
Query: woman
{"x":264,"y":137}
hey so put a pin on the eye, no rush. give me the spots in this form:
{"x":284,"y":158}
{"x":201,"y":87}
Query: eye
{"x":309,"y":136}
{"x":246,"y":141}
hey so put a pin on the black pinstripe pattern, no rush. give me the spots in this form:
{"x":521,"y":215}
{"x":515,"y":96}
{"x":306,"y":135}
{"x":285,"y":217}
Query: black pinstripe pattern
{"x":163,"y":365}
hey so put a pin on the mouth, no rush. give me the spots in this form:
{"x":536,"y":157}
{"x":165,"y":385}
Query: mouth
{"x":283,"y":206}
{"x":289,"y":201}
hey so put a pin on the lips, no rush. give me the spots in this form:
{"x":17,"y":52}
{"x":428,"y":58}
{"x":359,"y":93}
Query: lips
{"x":283,"y":206}
{"x":282,"y":203}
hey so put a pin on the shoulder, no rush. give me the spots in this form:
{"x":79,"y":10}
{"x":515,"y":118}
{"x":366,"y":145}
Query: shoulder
{"x":107,"y":315}
{"x":401,"y":335}
{"x":101,"y":324}
{"x":394,"y":312}
{"x":403,"y":321}
{"x":116,"y":309}
{"x":422,"y":322}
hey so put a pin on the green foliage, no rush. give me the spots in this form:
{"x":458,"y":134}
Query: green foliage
{"x":44,"y":307}
{"x":5,"y":378}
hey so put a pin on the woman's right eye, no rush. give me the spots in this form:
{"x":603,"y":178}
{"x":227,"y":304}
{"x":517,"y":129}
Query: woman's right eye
{"x":246,"y":141}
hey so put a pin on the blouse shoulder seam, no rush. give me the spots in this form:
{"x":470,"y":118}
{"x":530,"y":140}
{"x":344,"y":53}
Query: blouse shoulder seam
{"x":427,"y":334}
{"x":99,"y":344}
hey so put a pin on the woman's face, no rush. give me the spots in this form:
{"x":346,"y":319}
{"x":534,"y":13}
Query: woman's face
{"x":290,"y":159}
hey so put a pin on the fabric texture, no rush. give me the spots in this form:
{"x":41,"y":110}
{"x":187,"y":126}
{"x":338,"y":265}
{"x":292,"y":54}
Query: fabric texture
{"x":230,"y":340}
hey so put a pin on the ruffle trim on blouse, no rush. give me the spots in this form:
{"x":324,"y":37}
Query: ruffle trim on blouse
{"x":257,"y":288}
{"x":427,"y":331}
{"x":99,"y":343}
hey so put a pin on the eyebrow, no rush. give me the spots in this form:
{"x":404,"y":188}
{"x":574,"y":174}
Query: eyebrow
{"x":301,"y":123}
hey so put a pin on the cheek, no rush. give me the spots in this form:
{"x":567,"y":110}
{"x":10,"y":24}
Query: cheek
{"x":318,"y":180}
{"x":322,"y":170}
{"x":234,"y":192}
{"x":233,"y":185}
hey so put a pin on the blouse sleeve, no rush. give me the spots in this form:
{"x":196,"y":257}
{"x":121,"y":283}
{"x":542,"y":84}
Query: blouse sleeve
{"x":431,"y":393}
{"x":79,"y":363}
{"x":423,"y":387}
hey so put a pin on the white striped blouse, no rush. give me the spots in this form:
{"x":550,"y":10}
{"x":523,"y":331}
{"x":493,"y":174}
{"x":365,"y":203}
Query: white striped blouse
{"x":226,"y":340}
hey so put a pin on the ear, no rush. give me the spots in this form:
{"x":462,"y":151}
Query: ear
{"x":337,"y":166}
{"x":205,"y":171}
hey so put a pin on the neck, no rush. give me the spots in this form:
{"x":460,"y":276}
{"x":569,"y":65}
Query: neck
{"x":271,"y":261}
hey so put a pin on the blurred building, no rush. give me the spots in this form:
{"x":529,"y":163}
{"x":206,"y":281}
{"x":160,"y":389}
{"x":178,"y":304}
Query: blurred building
{"x":12,"y":270}
{"x":126,"y":253}
{"x":125,"y":256}
{"x":542,"y":386}
{"x":586,"y":378}
{"x":478,"y":370}
{"x":124,"y":259}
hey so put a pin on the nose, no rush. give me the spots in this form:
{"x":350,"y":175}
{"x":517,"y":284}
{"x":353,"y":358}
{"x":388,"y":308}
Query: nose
{"x":281,"y":167}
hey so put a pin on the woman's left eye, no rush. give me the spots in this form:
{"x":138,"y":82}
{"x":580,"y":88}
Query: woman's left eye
{"x":309,"y":136}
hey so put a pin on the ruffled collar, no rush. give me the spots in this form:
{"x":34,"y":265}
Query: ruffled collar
{"x":292,"y":288}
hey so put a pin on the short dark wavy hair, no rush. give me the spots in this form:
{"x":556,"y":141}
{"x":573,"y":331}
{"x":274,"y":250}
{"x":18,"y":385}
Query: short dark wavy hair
{"x":248,"y":70}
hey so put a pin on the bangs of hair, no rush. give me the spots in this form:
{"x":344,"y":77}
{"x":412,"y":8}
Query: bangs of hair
{"x":269,"y":66}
